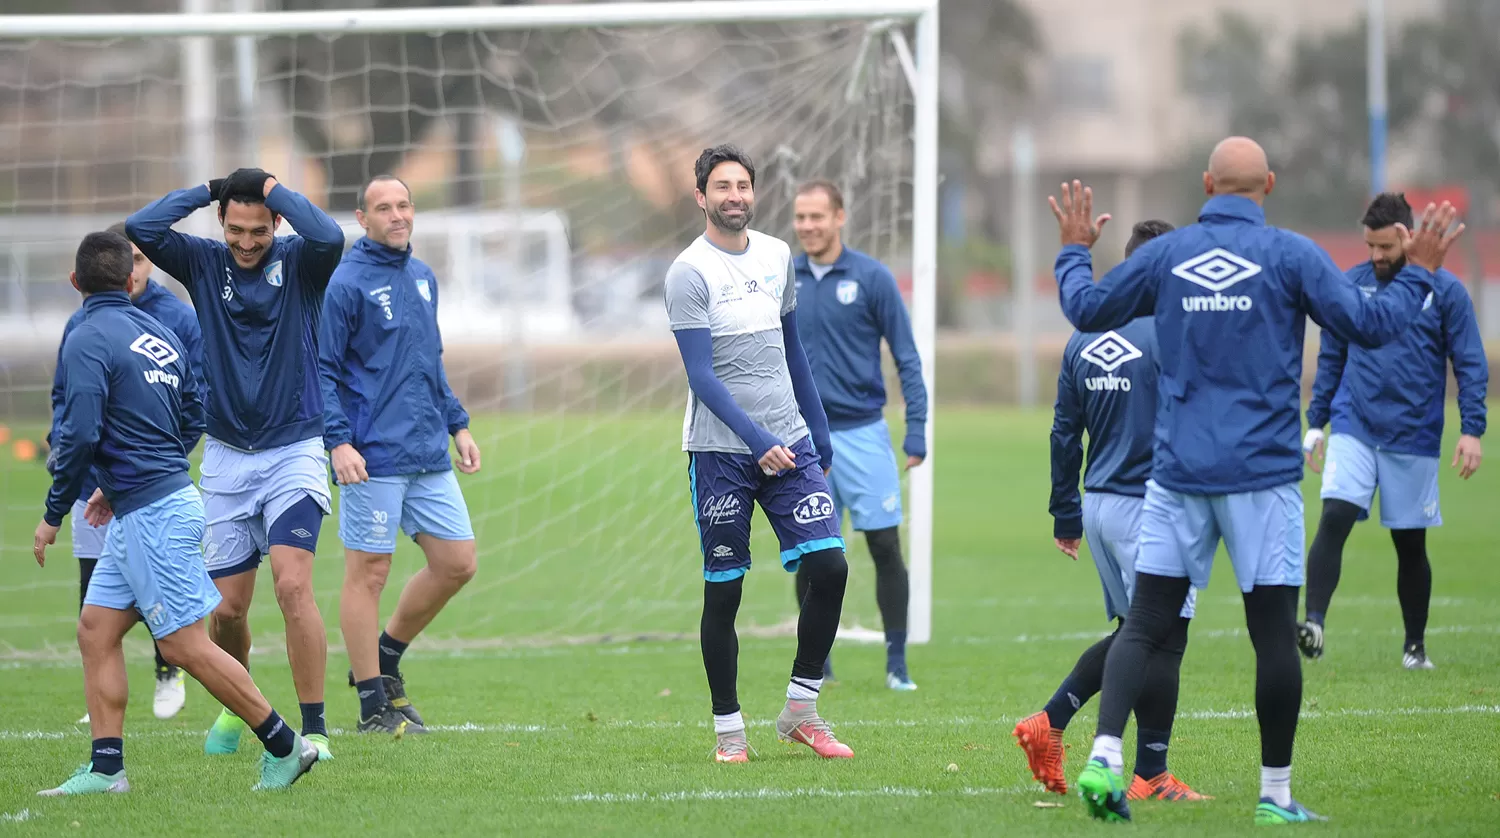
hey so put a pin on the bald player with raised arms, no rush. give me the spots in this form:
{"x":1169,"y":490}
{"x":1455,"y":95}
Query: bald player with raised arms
{"x":1231,"y":296}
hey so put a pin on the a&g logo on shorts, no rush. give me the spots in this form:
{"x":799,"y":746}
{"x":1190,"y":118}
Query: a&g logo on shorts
{"x":817,"y":506}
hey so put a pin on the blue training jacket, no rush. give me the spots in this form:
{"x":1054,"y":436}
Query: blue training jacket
{"x":1107,"y":389}
{"x":172,"y":313}
{"x":380,"y":361}
{"x":1392,"y":397}
{"x":129,"y":402}
{"x":260,"y":326}
{"x":1231,"y":296}
{"x":842,"y":318}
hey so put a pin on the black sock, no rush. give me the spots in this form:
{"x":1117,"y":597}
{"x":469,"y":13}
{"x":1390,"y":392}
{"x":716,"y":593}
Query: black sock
{"x":161,"y":662}
{"x":1157,"y":707}
{"x":312,"y":719}
{"x":892,"y":593}
{"x":275,"y":735}
{"x":85,"y":573}
{"x":391,"y":651}
{"x":1081,"y":684}
{"x":1325,"y":558}
{"x":371,"y":696}
{"x":1154,"y":612}
{"x":818,"y":625}
{"x":720,"y":644}
{"x":1271,"y":617}
{"x":109,"y":756}
{"x":1413,"y":582}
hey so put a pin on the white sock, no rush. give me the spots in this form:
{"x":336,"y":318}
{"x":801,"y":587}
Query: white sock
{"x":731,"y":723}
{"x":1276,"y":784}
{"x":1108,"y":748}
{"x":803,"y":689}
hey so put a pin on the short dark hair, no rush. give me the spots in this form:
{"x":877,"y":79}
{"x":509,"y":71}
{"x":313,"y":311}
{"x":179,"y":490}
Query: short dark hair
{"x":1387,"y":209}
{"x":712,"y":157}
{"x":379,"y":179}
{"x":103,"y":263}
{"x":1145,"y":231}
{"x":117,"y":227}
{"x":240,"y":191}
{"x":835,"y":197}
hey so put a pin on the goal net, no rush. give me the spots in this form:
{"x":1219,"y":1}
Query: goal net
{"x":551,"y":167}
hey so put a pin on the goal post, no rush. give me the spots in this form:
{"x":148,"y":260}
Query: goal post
{"x":538,"y":237}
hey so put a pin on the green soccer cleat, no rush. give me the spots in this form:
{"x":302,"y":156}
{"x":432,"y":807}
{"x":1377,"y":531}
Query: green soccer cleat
{"x":86,"y":781}
{"x":320,"y":741}
{"x":281,"y":772}
{"x":1103,"y":792}
{"x":1269,"y":814}
{"x":224,"y":736}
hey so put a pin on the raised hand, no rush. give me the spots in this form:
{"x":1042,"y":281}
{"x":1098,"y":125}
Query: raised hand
{"x":1428,"y":245}
{"x":1075,"y":217}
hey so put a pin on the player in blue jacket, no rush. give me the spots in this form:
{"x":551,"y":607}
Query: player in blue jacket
{"x":1230,"y":296}
{"x":1107,"y":390}
{"x":847,"y":302}
{"x":130,"y":402}
{"x":88,"y":540}
{"x":264,"y":472}
{"x":1386,"y":406}
{"x":388,"y":413}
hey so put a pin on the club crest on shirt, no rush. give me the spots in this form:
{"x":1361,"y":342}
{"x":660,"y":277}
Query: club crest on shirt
{"x":847,"y":291}
{"x":424,"y":290}
{"x":273,"y":274}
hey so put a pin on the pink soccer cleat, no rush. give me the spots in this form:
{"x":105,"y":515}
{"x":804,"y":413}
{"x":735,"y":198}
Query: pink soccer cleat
{"x":800,"y":722}
{"x":733,"y":747}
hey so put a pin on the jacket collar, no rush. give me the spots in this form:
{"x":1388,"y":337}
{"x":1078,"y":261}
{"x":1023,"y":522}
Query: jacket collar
{"x":1233,"y":208}
{"x":106,"y":299}
{"x":152,"y":291}
{"x":376,"y":253}
{"x":846,"y":255}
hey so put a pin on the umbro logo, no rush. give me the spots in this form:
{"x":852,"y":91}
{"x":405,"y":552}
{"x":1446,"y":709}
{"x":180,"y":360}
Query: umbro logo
{"x":153,"y":347}
{"x":301,"y":533}
{"x":1216,"y":269}
{"x":1109,"y":351}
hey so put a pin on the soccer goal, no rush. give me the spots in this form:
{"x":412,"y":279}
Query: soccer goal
{"x":549,"y":149}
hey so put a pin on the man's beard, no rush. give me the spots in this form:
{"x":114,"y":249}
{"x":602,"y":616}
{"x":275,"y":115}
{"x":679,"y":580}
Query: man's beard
{"x":731,"y":224}
{"x":1385,"y":273}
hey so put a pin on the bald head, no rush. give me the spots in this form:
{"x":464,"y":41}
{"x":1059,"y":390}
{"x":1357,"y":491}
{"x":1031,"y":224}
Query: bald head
{"x":1238,"y":167}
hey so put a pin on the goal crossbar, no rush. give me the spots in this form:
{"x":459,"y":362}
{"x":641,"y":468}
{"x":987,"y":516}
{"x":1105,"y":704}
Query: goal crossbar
{"x":451,"y":18}
{"x":923,"y":75}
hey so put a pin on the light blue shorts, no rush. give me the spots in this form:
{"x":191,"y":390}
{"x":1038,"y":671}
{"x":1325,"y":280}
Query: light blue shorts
{"x":430,"y":503}
{"x":153,"y":561}
{"x":1408,"y":483}
{"x":88,"y":540}
{"x":244,"y":492}
{"x":865,"y":479}
{"x":1262,"y":531}
{"x":1112,"y":527}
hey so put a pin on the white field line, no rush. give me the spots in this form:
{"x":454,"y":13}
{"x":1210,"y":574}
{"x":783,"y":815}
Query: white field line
{"x":697,"y":795}
{"x":82,"y":731}
{"x":66,"y":657}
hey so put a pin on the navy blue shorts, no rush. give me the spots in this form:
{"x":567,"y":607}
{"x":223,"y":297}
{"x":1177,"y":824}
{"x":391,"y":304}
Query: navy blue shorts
{"x":797,"y":504}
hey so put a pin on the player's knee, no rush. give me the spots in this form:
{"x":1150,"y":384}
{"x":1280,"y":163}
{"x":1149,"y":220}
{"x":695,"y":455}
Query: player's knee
{"x":1411,"y":545}
{"x":293,"y":590}
{"x":366,"y":572}
{"x":455,"y":562}
{"x":885,"y":550}
{"x":826,"y":568}
{"x":721,"y":600}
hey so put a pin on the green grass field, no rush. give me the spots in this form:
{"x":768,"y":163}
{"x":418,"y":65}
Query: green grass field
{"x":569,"y":696}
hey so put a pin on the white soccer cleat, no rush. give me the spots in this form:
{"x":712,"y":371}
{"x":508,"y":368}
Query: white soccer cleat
{"x":171,"y":692}
{"x":1415,"y":657}
{"x":84,"y":720}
